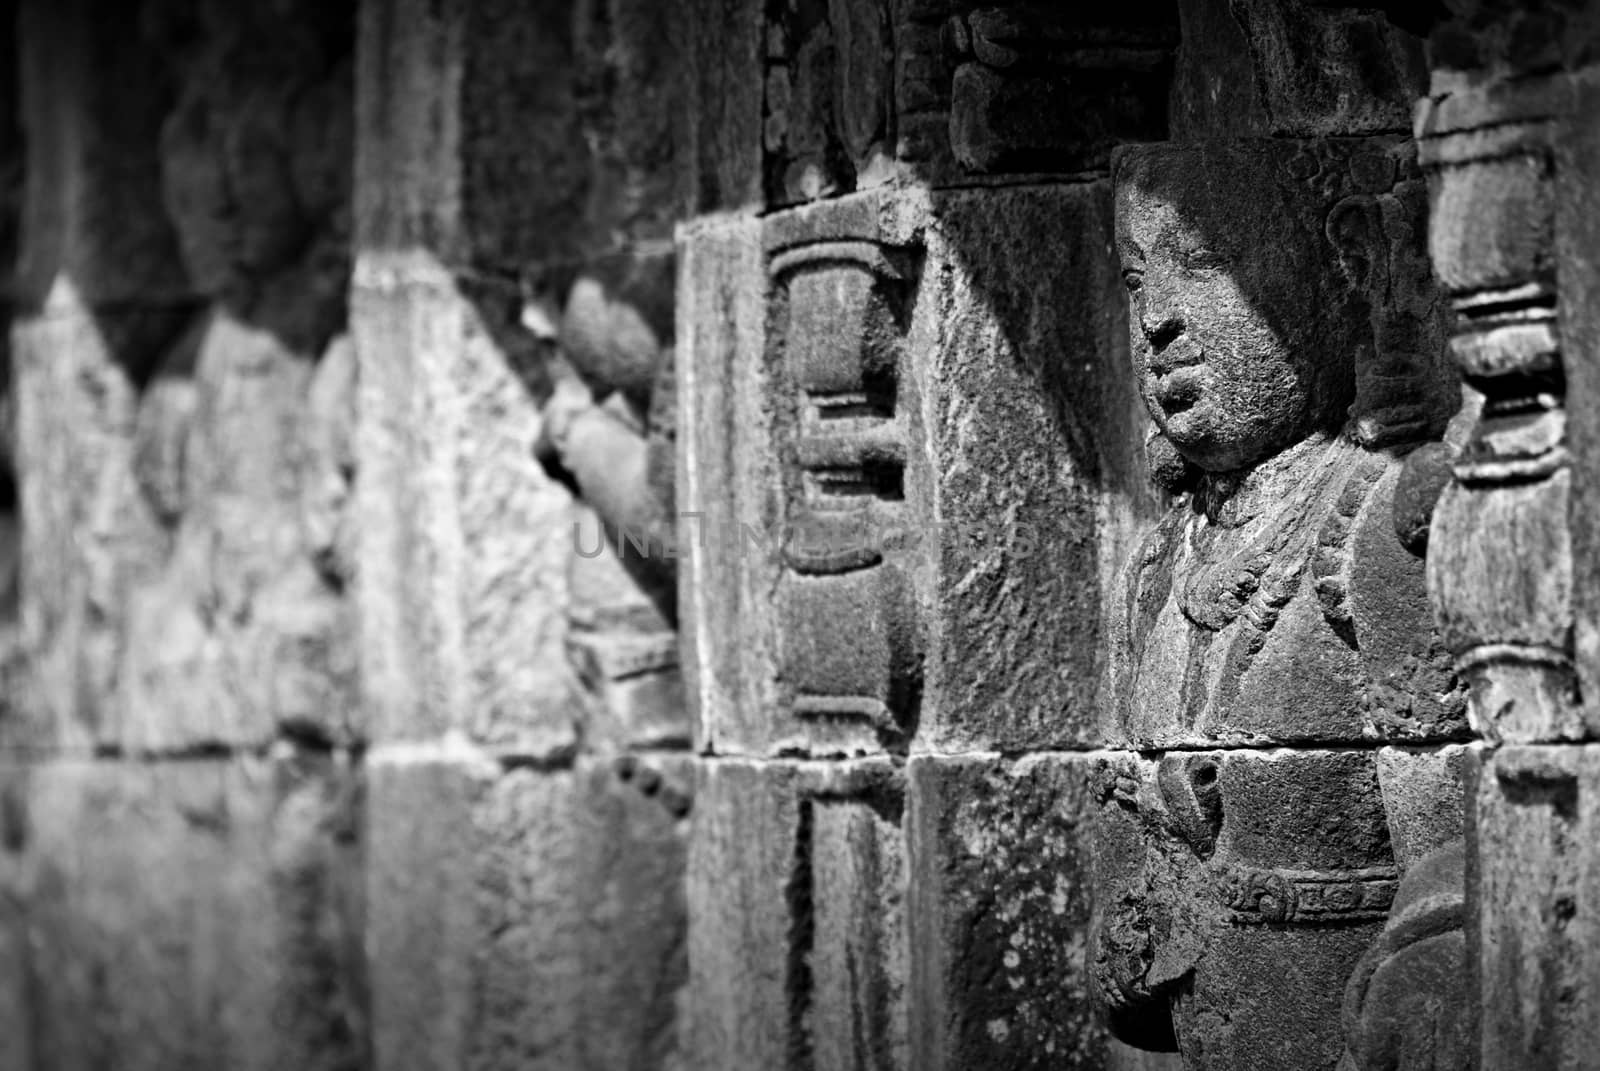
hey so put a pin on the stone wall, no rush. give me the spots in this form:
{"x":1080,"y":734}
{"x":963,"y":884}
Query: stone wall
{"x":327,"y":747}
{"x":868,"y":534}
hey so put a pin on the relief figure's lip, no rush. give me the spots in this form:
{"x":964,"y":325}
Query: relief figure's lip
{"x":1180,"y":353}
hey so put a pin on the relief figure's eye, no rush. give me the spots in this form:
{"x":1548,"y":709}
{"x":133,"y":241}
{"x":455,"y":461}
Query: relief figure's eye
{"x":1132,"y":278}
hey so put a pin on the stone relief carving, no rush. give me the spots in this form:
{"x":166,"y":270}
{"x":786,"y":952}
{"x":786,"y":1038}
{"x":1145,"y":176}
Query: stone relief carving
{"x":860,"y":95}
{"x":840,"y":303}
{"x":1023,"y":70}
{"x":241,"y":444}
{"x":609,"y":430}
{"x":1272,"y":628}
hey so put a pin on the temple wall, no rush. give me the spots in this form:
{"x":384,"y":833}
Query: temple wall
{"x":588,"y":534}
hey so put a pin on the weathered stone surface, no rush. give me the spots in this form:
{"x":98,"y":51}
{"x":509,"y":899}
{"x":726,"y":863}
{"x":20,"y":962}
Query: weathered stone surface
{"x":1252,"y":68}
{"x":16,"y":987}
{"x":193,"y":914}
{"x":1532,"y":879}
{"x":860,"y":95}
{"x":886,"y":577}
{"x":1408,"y":1004}
{"x":525,"y":918}
{"x":239,"y":636}
{"x":721,"y":47}
{"x":89,"y":534}
{"x":1034,"y":435}
{"x":1425,"y":797}
{"x":1506,"y":139}
{"x":1040,"y":87}
{"x":1001,"y":857}
{"x":810,"y":858}
{"x":1576,"y":240}
{"x":464,"y":539}
{"x":720,"y":310}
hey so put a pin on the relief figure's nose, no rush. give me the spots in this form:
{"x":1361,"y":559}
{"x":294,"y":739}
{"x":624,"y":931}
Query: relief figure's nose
{"x":1161,"y":321}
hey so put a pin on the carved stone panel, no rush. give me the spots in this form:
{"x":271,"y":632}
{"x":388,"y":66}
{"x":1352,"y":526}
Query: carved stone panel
{"x":1052,"y":87}
{"x":1283,"y":341}
{"x":800,"y":538}
{"x":897,"y":576}
{"x":860,"y":95}
{"x":1288,"y":341}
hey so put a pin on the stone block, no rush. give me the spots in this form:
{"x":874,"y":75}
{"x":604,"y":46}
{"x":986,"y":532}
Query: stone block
{"x":798,"y":941}
{"x":189,"y":914}
{"x":94,"y":96}
{"x":721,"y":45}
{"x":1425,"y":797}
{"x":864,"y":95}
{"x":16,"y":985}
{"x":722,"y":459}
{"x":468,"y":140}
{"x":892,"y":571}
{"x":1297,"y":69}
{"x":1532,"y":890}
{"x":1235,"y":892}
{"x":525,"y":918}
{"x":1039,"y":89}
{"x":464,"y":539}
{"x":1001,"y":853}
{"x":238,"y":636}
{"x":90,"y":535}
{"x":1034,"y":436}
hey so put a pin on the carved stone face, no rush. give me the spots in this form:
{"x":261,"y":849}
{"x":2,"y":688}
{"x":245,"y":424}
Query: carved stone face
{"x":1237,"y":325}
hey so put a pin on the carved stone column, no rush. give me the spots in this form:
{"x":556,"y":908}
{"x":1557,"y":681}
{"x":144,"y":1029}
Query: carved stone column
{"x":1506,"y":135}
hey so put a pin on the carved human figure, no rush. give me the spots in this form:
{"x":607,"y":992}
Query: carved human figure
{"x":608,"y":432}
{"x":1272,"y":628}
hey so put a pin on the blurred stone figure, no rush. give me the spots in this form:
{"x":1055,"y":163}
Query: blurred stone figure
{"x":609,"y":430}
{"x":1287,"y":341}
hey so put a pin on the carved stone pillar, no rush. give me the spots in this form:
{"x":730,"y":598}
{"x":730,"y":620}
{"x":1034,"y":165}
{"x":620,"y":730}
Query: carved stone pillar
{"x":1506,"y":135}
